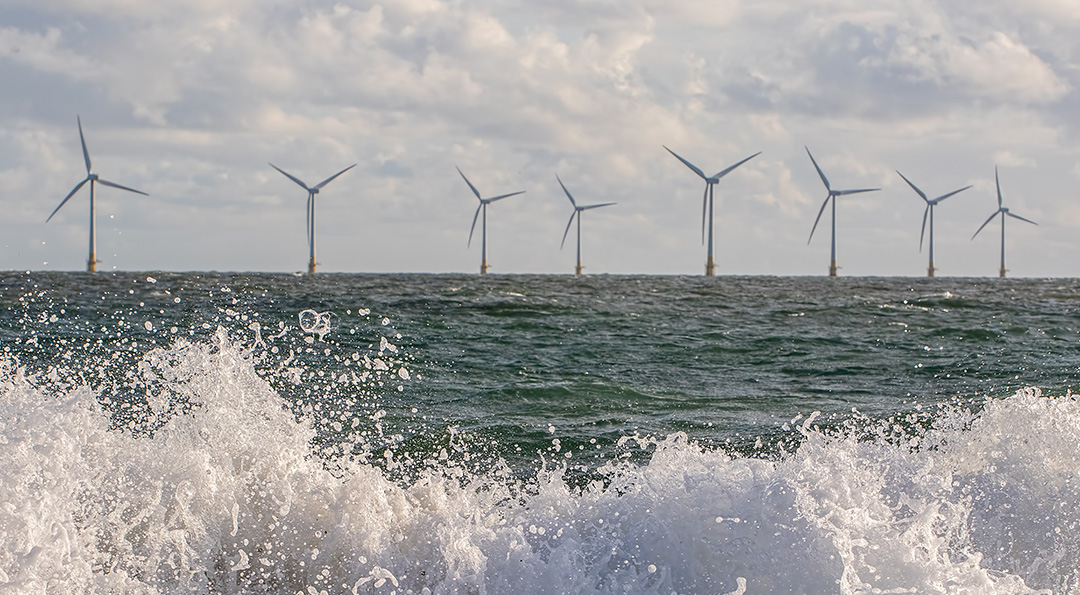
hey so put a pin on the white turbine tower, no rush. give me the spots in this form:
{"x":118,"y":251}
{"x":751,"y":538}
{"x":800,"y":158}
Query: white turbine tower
{"x":831,"y":197}
{"x":930,"y":204}
{"x":1003,"y":211}
{"x":707,"y":203}
{"x":484,"y":202}
{"x":91,"y":261}
{"x":312,"y":191}
{"x":577,"y":214}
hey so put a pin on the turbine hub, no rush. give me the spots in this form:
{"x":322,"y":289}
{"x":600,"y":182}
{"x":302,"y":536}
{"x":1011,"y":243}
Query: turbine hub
{"x":712,"y":180}
{"x":1004,"y":209}
{"x":315,"y":191}
{"x":93,"y":177}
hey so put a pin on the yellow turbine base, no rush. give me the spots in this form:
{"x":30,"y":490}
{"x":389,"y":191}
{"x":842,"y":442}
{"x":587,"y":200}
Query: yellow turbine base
{"x":710,"y":267}
{"x":311,"y":267}
{"x":91,"y":263}
{"x":930,"y":270}
{"x":1001,"y":273}
{"x":578,"y":268}
{"x":833,"y":268}
{"x":483,"y":267}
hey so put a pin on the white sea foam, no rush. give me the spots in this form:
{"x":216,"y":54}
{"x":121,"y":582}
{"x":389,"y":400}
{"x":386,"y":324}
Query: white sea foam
{"x":227,"y":496}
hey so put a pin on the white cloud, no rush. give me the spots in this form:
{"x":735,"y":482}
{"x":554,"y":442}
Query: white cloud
{"x":192,"y":101}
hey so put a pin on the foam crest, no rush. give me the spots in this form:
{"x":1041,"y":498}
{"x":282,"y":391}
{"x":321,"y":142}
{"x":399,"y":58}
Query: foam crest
{"x":227,"y":492}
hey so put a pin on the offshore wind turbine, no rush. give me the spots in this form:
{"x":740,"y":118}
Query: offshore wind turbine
{"x":1003,"y":211}
{"x":930,"y":204}
{"x":91,"y":261}
{"x":707,"y":203}
{"x":576,"y":214}
{"x":312,"y":191}
{"x":831,"y":197}
{"x":484,"y":202}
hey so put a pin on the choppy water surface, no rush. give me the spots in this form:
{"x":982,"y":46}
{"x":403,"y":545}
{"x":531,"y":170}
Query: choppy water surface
{"x":536,"y":434}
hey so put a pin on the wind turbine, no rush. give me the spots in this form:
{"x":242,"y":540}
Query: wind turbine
{"x":831,"y":197}
{"x":312,"y":191}
{"x":1002,"y":211}
{"x":92,"y":261}
{"x":707,"y":202}
{"x":484,"y":202}
{"x":576,"y":214}
{"x":930,"y":204}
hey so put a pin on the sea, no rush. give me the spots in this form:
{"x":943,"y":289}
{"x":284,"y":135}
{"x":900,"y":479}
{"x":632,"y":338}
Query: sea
{"x":170,"y":432}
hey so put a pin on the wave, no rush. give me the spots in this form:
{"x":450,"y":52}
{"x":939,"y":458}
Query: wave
{"x":229,"y":493}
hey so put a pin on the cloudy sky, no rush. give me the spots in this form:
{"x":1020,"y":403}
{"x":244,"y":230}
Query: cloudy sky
{"x":189,"y":101}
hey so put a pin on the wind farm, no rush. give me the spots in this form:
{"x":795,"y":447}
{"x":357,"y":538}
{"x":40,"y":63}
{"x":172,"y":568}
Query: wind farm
{"x":930,"y":204}
{"x":926,"y":234}
{"x":707,"y":203}
{"x":312,"y":192}
{"x":833,"y":194}
{"x":484,"y":202}
{"x":92,"y":178}
{"x":1003,"y":211}
{"x":578,"y":269}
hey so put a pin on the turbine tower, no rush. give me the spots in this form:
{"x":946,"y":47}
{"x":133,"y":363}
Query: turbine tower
{"x":91,"y":261}
{"x":1003,"y":211}
{"x":312,"y":191}
{"x":576,"y":214}
{"x":930,"y":204}
{"x":484,"y":202}
{"x":831,"y":197}
{"x":707,"y":203}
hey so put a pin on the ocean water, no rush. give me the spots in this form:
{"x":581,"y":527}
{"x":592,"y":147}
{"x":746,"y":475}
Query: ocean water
{"x":257,"y":433}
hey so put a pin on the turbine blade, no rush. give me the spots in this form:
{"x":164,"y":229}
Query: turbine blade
{"x":85,"y":153}
{"x":991,"y":218}
{"x":998,"y":182}
{"x":944,"y":196}
{"x":915,"y":188}
{"x":474,"y":218}
{"x":568,"y":224}
{"x":68,"y":197}
{"x":115,"y":185}
{"x":568,"y":195}
{"x":860,"y":190}
{"x":502,"y":196}
{"x":732,"y":168}
{"x":923,"y":232}
{"x":291,"y":177}
{"x":1015,"y":216}
{"x":704,"y":203}
{"x":819,"y":172}
{"x":812,"y":229}
{"x":474,"y":190}
{"x":687,"y":164}
{"x":587,"y":207}
{"x":331,"y":178}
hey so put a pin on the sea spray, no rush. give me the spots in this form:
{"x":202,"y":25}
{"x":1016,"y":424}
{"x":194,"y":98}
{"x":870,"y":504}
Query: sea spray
{"x":228,"y":495}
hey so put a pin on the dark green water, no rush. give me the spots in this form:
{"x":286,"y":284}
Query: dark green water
{"x":727,"y":360}
{"x":221,"y":433}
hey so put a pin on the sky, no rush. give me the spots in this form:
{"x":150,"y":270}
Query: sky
{"x":190,"y":102}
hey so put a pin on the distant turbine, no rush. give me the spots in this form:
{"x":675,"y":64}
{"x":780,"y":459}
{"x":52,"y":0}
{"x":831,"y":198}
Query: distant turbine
{"x":707,"y":202}
{"x":92,"y":261}
{"x":930,"y":204}
{"x":1002,"y":211}
{"x":831,"y":197}
{"x":484,"y":202}
{"x":576,"y":214}
{"x":312,"y":191}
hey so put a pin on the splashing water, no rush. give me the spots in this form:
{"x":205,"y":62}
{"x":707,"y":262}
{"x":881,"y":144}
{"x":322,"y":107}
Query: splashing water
{"x":227,"y":492}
